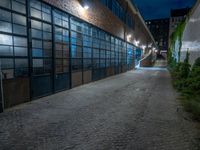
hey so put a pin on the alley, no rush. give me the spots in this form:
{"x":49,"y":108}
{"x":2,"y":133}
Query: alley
{"x":137,"y":110}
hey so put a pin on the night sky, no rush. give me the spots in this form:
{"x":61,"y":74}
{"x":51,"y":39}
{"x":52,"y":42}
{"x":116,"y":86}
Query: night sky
{"x":154,"y":9}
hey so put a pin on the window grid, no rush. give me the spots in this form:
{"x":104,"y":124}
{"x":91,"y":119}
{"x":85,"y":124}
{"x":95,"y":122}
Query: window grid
{"x":13,"y":39}
{"x":76,"y":44}
{"x":61,"y":39}
{"x":91,"y":48}
{"x":41,"y":35}
{"x":102,"y":49}
{"x":87,"y":47}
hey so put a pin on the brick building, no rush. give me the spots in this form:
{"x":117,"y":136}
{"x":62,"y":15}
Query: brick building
{"x":47,"y":46}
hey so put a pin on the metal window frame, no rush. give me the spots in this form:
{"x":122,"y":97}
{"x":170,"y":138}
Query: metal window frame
{"x":29,"y":42}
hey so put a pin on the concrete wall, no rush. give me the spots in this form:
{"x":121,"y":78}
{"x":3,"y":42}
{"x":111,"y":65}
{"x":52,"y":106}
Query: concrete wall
{"x":191,"y":35}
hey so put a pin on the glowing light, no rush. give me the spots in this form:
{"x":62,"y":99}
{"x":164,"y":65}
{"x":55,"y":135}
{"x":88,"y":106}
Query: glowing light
{"x":136,"y":43}
{"x":143,"y":47}
{"x":150,"y":45}
{"x":84,"y":4}
{"x":86,"y":7}
{"x":129,"y":36}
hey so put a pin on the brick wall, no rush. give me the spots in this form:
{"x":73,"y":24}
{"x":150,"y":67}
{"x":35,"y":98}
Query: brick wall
{"x":102,"y":17}
{"x":97,"y":15}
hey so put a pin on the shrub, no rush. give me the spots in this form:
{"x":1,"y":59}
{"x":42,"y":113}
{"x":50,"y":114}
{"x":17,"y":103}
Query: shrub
{"x":193,"y":80}
{"x":192,"y":105}
{"x":187,"y":81}
{"x":180,"y":73}
{"x":185,"y":68}
{"x":191,"y":91}
{"x":197,"y":63}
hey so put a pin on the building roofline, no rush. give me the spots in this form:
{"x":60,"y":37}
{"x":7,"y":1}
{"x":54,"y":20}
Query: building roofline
{"x":179,"y":12}
{"x":194,"y":7}
{"x":157,"y":19}
{"x":133,"y":7}
{"x":137,"y":12}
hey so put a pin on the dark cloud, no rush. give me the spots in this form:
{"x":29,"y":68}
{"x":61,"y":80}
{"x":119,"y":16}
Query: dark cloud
{"x":152,"y":9}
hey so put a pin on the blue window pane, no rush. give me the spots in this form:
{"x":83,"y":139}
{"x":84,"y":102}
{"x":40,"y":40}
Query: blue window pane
{"x":20,"y":51}
{"x":19,"y":7}
{"x":76,"y":51}
{"x":5,"y":3}
{"x":19,"y":19}
{"x":5,"y":15}
{"x":37,"y":52}
{"x":5,"y":27}
{"x":6,"y":50}
{"x":7,"y":63}
{"x":18,"y":29}
{"x":6,"y":39}
{"x":36,"y":4}
{"x":21,"y":63}
{"x":36,"y":33}
{"x":19,"y":41}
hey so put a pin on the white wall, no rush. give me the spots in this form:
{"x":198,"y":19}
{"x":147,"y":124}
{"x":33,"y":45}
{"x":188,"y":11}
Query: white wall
{"x":191,"y":36}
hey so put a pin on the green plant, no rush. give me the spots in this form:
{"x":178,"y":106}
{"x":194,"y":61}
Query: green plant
{"x":186,"y":79}
{"x":185,"y":67}
{"x":192,"y":105}
{"x":177,"y":35}
{"x":193,"y":80}
{"x":197,"y":63}
{"x":191,"y":91}
{"x":180,"y":73}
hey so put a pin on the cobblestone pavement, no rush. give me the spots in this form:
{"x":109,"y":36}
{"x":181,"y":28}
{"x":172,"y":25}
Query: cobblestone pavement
{"x":137,"y":110}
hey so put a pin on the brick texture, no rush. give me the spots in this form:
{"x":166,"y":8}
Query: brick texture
{"x":102,"y":17}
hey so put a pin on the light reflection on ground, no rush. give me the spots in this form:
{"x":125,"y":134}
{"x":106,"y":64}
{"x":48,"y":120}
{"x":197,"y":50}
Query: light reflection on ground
{"x":152,"y":68}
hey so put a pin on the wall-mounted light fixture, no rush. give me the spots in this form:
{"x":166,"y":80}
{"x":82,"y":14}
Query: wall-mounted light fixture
{"x":143,"y":47}
{"x":155,"y":50}
{"x":84,"y":4}
{"x":129,"y":36}
{"x":150,"y":45}
{"x":136,"y":43}
{"x":86,"y":7}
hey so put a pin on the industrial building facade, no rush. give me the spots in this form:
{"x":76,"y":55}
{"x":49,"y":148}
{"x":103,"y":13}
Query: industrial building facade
{"x":54,"y":45}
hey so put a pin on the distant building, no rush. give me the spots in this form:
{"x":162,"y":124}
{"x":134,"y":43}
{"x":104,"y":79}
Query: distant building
{"x":177,"y":16}
{"x":160,"y":31}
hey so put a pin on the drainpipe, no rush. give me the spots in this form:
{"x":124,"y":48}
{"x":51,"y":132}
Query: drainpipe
{"x":125,"y":31}
{"x":1,"y":91}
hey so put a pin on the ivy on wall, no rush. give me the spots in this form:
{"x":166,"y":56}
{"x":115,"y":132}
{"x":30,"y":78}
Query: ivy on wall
{"x":176,"y":37}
